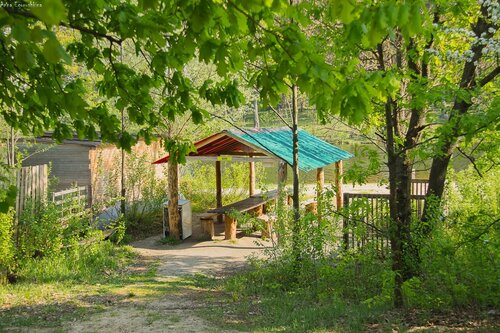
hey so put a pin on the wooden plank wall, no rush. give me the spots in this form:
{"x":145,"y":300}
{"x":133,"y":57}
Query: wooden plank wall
{"x":368,"y":217}
{"x":32,"y":183}
{"x":69,"y":163}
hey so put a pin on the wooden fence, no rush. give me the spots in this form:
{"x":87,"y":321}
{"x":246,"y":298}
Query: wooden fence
{"x":71,"y":202}
{"x":368,"y":217}
{"x":31,"y":182}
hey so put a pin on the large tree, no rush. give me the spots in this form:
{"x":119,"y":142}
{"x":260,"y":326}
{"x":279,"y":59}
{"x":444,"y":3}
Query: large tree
{"x":39,"y":92}
{"x":415,"y":70}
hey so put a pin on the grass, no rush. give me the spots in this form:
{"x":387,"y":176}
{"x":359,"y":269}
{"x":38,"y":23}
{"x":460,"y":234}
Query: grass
{"x":247,"y":302}
{"x":290,"y":312}
{"x":50,"y":295}
{"x":53,"y":292}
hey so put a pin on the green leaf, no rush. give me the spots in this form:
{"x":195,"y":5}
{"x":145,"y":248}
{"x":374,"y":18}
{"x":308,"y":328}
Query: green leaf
{"x":53,"y":52}
{"x":20,"y":32}
{"x":9,"y":199}
{"x":148,"y":4}
{"x":52,"y":12}
{"x":23,"y":57}
{"x":346,"y":13}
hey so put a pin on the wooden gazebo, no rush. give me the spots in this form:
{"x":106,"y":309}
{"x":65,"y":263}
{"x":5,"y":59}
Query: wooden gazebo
{"x":267,"y":145}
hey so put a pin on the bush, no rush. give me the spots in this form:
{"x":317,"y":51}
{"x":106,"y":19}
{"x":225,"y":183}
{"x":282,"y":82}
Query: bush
{"x":40,"y":231}
{"x":6,"y":245}
{"x":461,"y":259}
{"x":82,"y":264}
{"x":144,"y":195}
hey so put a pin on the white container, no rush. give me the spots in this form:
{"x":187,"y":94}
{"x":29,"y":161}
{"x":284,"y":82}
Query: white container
{"x":186,"y":216}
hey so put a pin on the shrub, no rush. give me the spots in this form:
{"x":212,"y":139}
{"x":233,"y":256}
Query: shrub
{"x":6,"y":245}
{"x":82,"y":264}
{"x":461,"y":259}
{"x":40,"y":231}
{"x":144,"y":194}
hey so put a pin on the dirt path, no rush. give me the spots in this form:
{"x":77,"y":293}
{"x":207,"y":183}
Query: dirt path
{"x":215,"y":258}
{"x":172,"y":311}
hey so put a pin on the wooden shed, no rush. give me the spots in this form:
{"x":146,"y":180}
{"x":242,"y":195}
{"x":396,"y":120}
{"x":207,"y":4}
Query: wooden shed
{"x":92,"y":164}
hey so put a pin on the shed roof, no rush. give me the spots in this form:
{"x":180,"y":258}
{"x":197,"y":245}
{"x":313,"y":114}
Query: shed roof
{"x":275,"y":142}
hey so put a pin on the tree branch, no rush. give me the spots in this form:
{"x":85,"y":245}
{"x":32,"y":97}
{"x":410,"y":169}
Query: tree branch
{"x":472,"y":160}
{"x":279,"y":116}
{"x":97,"y":34}
{"x":490,"y":77}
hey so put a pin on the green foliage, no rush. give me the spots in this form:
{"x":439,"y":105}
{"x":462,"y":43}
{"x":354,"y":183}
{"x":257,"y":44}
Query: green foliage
{"x":145,"y":193}
{"x":8,"y":191}
{"x":6,"y":244}
{"x":459,"y":261}
{"x":119,"y":227}
{"x":197,"y":182}
{"x":366,"y":164}
{"x":82,"y":264}
{"x":170,"y":240}
{"x":461,"y":258}
{"x":165,"y":38}
{"x":40,"y":231}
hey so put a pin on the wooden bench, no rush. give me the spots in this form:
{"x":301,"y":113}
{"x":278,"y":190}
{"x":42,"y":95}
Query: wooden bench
{"x":254,"y":203}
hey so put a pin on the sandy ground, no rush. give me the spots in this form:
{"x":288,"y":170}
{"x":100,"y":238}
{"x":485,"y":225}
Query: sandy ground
{"x":218,"y":257}
{"x":174,"y":313}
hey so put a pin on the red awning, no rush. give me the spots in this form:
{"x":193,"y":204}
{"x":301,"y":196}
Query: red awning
{"x":219,"y":144}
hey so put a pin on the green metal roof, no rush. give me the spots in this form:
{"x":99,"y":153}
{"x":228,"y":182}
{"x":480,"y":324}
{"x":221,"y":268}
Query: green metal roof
{"x":313,"y":152}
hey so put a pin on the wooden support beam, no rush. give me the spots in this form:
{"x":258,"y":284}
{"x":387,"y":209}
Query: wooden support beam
{"x":218,"y":185}
{"x":282,"y":174}
{"x":320,"y":182}
{"x":320,"y":185}
{"x":338,"y":184}
{"x":251,"y":180}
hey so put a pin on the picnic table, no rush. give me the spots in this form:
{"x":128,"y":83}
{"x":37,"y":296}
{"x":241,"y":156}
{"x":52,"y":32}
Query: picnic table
{"x":255,"y":202}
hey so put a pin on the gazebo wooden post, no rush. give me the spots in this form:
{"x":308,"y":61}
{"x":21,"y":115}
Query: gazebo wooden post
{"x":320,"y":184}
{"x":282,"y":173}
{"x":251,"y":180}
{"x":338,"y":184}
{"x":218,"y":185}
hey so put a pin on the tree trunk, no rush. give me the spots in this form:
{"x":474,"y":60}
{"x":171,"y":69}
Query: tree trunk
{"x":399,"y":232}
{"x":122,"y":183}
{"x":122,"y":171}
{"x":399,"y":204}
{"x":256,"y":121}
{"x":295,"y":172}
{"x":440,"y":163}
{"x":11,"y":148}
{"x":173,"y":200}
{"x":282,"y":176}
